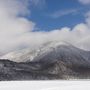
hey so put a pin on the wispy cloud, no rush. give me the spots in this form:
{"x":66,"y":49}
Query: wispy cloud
{"x":61,"y":13}
{"x":84,"y":1}
{"x":39,"y":3}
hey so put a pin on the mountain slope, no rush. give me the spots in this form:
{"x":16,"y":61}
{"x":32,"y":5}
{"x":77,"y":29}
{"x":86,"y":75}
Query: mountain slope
{"x":29,"y":54}
{"x":54,"y":60}
{"x":55,"y":47}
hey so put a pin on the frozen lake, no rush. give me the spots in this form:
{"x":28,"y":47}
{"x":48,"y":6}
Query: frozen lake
{"x":45,"y":85}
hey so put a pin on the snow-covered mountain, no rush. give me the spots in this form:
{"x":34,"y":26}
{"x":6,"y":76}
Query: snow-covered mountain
{"x":49,"y":50}
{"x":52,"y":60}
{"x":29,"y":54}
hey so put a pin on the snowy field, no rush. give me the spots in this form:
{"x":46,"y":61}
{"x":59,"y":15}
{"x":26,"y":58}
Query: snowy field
{"x":45,"y":85}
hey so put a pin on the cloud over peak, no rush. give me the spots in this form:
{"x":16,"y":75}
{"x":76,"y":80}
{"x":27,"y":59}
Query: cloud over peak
{"x":16,"y":32}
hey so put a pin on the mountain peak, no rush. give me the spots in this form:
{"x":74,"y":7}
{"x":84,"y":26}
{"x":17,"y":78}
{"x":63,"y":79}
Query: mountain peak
{"x":56,"y":43}
{"x":28,"y":54}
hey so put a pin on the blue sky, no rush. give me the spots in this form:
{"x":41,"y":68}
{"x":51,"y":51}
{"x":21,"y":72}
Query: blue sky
{"x":51,"y":14}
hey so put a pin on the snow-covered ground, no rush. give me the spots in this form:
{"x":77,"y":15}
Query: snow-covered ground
{"x":45,"y":85}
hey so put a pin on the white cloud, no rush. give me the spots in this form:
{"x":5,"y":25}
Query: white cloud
{"x":84,"y":41}
{"x":85,"y":1}
{"x":16,"y":32}
{"x":12,"y":26}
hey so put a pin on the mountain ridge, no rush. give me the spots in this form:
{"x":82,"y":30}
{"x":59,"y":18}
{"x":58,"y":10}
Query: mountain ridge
{"x":30,"y":54}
